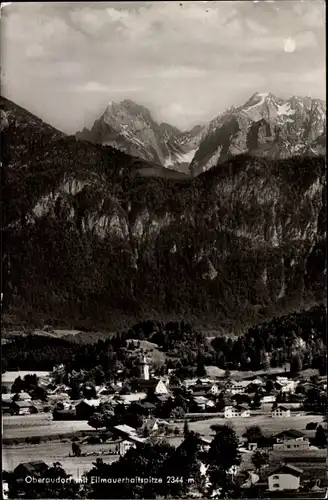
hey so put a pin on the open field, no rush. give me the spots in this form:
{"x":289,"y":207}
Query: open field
{"x":39,"y":425}
{"x":9,"y":377}
{"x":268,"y":424}
{"x":54,"y":451}
{"x":58,"y":451}
{"x":151,"y":350}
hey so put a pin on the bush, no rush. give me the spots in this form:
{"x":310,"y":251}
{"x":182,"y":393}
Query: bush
{"x":35,"y":440}
{"x":311,"y":426}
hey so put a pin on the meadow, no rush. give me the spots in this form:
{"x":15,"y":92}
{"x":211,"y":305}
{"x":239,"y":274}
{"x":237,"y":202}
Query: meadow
{"x":54,"y":451}
{"x":41,"y":425}
{"x":268,"y":424}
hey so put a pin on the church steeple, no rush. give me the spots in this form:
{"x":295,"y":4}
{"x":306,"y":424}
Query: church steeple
{"x":145,"y":368}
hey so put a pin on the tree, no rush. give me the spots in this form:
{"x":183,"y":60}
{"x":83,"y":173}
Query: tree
{"x":177,"y":412}
{"x":4,"y":389}
{"x":76,"y":449}
{"x":253,"y":433}
{"x":185,"y":465}
{"x":260,"y":459}
{"x":257,"y":400}
{"x":269,"y":386}
{"x":320,"y":439}
{"x":200,"y":370}
{"x":296,"y":364}
{"x":146,"y":460}
{"x":56,"y":484}
{"x":222,"y":455}
{"x":18,"y":385}
{"x":39,"y":393}
{"x":89,"y":390}
{"x":99,"y":420}
{"x":186,"y":429}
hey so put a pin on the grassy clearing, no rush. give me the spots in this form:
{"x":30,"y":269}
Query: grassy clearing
{"x":151,"y":350}
{"x":268,"y":425}
{"x":54,"y":452}
{"x":39,"y":425}
{"x":9,"y":377}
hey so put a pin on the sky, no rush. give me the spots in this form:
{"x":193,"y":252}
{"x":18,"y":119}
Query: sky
{"x":186,"y":61}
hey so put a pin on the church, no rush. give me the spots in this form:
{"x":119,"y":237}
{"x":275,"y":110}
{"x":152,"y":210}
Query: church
{"x":147,"y":384}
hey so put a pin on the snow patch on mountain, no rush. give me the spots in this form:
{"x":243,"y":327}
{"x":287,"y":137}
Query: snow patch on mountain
{"x":285,"y":109}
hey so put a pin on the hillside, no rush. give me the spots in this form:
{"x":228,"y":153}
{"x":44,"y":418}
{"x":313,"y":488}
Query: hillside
{"x":94,"y":237}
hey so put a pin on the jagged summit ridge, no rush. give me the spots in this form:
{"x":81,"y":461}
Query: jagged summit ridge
{"x":264,"y":125}
{"x":130,"y":127}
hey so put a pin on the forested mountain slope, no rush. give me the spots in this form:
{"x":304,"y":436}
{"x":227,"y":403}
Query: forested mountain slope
{"x":94,"y":236}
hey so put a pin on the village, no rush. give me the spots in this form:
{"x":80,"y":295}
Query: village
{"x":279,"y":421}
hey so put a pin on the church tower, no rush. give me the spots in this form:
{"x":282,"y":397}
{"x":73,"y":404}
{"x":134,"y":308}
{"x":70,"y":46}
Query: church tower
{"x":145,"y":369}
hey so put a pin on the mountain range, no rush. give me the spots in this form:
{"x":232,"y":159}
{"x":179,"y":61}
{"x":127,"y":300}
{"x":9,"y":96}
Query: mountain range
{"x":265,"y":125}
{"x":93,"y":236}
{"x":131,"y":128}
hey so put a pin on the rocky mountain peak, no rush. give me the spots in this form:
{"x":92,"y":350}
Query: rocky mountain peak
{"x":130,"y":127}
{"x":264,"y":125}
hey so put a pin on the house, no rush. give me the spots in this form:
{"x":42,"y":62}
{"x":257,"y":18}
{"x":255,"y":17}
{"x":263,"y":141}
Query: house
{"x":285,"y":477}
{"x":33,"y":469}
{"x":269,"y":398}
{"x":205,"y":389}
{"x":202,"y":402}
{"x":125,"y":445}
{"x":143,"y":408}
{"x":286,"y":385}
{"x":280,"y":412}
{"x":150,"y":425}
{"x":292,"y":444}
{"x":124,"y":430}
{"x":5,"y":490}
{"x":161,"y":398}
{"x":21,"y":396}
{"x":23,"y":408}
{"x":128,"y":399}
{"x":290,"y":434}
{"x":153,"y":385}
{"x":85,"y":408}
{"x":205,"y":444}
{"x":105,"y":391}
{"x":236,"y":411}
{"x":239,"y":387}
{"x":61,"y":389}
{"x":64,"y":415}
{"x":5,"y":406}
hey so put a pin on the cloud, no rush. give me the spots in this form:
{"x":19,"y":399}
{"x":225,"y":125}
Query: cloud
{"x":189,"y":62}
{"x":34,"y":50}
{"x":96,"y":87}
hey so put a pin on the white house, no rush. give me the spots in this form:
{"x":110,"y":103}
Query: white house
{"x":292,"y":444}
{"x":290,"y":434}
{"x":270,"y":398}
{"x":214,"y":389}
{"x":203,"y":402}
{"x":125,"y":445}
{"x":151,"y":425}
{"x":238,"y":387}
{"x":286,"y":477}
{"x":280,"y":412}
{"x":5,"y":490}
{"x":127,"y":399}
{"x":156,"y":386}
{"x":236,"y":411}
{"x":287,"y":385}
